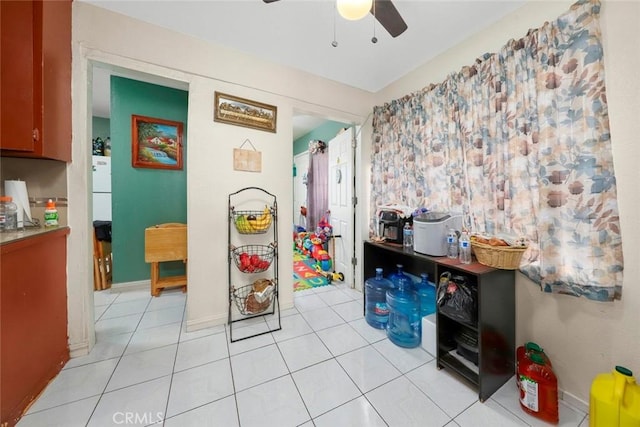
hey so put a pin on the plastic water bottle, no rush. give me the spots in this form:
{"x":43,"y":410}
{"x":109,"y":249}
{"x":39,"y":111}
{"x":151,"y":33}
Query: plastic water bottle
{"x":465,"y":248}
{"x":51,"y":214}
{"x":427,"y":295}
{"x":376,"y":309}
{"x":8,"y":214}
{"x":452,"y":244}
{"x":407,"y":237}
{"x":107,"y":147}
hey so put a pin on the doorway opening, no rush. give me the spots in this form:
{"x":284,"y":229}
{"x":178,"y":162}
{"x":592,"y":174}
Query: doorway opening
{"x":110,"y":182}
{"x":323,"y":209}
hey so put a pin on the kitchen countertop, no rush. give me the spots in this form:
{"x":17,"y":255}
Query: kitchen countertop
{"x":28,"y":232}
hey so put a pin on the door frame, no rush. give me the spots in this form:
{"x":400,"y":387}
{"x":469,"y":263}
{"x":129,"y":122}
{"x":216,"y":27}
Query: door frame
{"x":359,"y":228}
{"x":80,"y":305}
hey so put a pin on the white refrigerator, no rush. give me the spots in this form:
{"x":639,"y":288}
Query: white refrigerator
{"x":101,"y":188}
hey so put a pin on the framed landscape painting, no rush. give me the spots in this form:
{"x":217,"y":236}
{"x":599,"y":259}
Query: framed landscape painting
{"x":243,"y":112}
{"x":156,"y":143}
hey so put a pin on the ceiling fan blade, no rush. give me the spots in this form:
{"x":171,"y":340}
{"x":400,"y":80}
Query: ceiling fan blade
{"x":388,"y":16}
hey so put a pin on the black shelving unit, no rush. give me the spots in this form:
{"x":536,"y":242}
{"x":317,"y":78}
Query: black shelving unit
{"x":253,"y":260}
{"x":494,"y":329}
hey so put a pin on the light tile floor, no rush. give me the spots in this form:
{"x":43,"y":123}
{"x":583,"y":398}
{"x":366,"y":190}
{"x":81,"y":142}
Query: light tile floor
{"x":326,"y":367}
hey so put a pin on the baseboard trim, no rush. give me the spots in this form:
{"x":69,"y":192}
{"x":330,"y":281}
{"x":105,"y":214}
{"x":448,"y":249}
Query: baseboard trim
{"x":286,"y":305}
{"x":131,"y":286}
{"x":206,"y":322}
{"x":79,"y":349}
{"x":574,"y":401}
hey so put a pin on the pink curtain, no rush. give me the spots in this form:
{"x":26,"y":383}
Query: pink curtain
{"x":317,"y":184}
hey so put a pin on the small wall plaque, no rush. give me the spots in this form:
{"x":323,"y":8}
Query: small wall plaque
{"x":247,"y":160}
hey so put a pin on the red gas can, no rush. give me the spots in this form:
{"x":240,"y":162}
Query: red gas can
{"x":538,"y":388}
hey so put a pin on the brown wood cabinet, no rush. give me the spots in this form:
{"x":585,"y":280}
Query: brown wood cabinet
{"x":33,"y":313}
{"x":35,"y":79}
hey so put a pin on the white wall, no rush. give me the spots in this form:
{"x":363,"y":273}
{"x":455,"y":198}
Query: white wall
{"x":582,"y":337}
{"x":210,"y":176}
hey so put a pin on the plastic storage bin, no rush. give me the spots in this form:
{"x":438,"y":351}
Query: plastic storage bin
{"x":428,"y":340}
{"x":376,"y":309}
{"x":614,"y":400}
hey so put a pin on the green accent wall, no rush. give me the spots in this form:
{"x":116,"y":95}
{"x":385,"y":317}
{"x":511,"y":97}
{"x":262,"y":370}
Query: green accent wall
{"x":325,"y":132}
{"x":143,"y":197}
{"x":101,"y":128}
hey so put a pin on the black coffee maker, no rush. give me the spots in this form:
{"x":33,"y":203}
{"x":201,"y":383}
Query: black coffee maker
{"x":390,"y":225}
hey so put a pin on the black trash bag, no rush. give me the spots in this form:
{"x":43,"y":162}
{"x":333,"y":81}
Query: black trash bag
{"x":102,"y":230}
{"x":457,"y":299}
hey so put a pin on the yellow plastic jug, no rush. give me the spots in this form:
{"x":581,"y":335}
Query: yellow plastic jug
{"x":615,"y":400}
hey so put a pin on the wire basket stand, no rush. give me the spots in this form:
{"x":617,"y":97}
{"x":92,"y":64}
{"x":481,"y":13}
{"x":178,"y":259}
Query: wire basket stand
{"x":253,"y":261}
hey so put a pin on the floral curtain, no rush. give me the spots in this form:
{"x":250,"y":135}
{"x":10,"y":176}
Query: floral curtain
{"x":518,"y":143}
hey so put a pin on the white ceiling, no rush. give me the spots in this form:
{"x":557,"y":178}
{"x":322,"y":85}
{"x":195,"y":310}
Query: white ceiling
{"x":299,"y":33}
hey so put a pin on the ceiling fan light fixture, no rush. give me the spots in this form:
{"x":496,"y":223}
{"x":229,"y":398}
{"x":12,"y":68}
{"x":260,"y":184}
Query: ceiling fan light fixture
{"x":353,"y":9}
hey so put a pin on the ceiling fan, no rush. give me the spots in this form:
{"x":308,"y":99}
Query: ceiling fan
{"x":386,"y":14}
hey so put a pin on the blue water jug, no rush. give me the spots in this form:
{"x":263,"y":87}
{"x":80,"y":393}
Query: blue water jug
{"x":427,"y":295}
{"x":399,"y":275}
{"x":376,"y":310}
{"x":404,"y":327}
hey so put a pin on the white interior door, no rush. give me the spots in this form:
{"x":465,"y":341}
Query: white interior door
{"x":340,"y":204}
{"x":301,"y":161}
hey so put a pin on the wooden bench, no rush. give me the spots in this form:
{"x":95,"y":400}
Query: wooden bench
{"x":162,"y":243}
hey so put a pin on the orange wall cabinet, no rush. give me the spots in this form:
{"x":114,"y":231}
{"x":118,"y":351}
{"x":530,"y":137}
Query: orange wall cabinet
{"x":33,"y":314}
{"x":35,"y":79}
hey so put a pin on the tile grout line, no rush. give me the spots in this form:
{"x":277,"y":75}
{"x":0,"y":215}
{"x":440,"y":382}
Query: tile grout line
{"x":227,"y":340}
{"x":362,"y":394}
{"x":173,"y":369}
{"x":452,"y":420}
{"x":306,"y":407}
{"x":117,"y":364}
{"x":87,"y":364}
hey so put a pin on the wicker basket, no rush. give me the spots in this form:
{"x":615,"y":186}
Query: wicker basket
{"x":503,"y":257}
{"x":246,"y":301}
{"x":252,"y":222}
{"x":263,"y":252}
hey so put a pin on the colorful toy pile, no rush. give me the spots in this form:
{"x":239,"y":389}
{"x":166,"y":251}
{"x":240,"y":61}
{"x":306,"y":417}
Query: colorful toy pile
{"x":312,"y":245}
